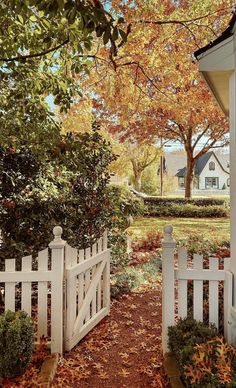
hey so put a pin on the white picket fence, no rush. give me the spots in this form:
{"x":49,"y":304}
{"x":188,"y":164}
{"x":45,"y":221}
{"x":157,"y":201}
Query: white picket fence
{"x":67,"y":295}
{"x":177,"y":271}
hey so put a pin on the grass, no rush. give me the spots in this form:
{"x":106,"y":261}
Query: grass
{"x":210,"y":228}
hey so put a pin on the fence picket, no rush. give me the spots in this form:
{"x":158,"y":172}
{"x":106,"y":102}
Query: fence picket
{"x":227,"y":263}
{"x":182,"y":284}
{"x":42,"y":296}
{"x":198,"y":290}
{"x":87,"y":279}
{"x":100,"y":285}
{"x":71,"y":255}
{"x":10,"y":286}
{"x":26,"y":286}
{"x":214,"y":294}
{"x":81,"y":281}
{"x":94,"y":300}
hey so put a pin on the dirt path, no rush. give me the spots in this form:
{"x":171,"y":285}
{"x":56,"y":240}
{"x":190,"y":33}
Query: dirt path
{"x":124,"y":350}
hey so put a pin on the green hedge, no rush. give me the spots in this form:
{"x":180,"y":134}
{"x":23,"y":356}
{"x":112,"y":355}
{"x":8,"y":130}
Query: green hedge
{"x":183,"y":201}
{"x":187,"y":210}
{"x":16,"y":343}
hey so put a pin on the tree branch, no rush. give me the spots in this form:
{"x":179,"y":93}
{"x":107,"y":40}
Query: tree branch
{"x":20,"y":57}
{"x":186,"y":21}
{"x":200,"y":136}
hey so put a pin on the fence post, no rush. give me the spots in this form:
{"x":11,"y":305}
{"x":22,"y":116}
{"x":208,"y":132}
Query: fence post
{"x":168,"y":284}
{"x":57,"y":303}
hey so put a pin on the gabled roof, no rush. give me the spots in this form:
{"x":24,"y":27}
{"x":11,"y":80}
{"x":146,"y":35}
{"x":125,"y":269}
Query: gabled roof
{"x":200,"y":164}
{"x":225,"y":35}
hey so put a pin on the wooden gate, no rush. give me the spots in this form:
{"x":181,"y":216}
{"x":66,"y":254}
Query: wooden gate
{"x":87,"y":290}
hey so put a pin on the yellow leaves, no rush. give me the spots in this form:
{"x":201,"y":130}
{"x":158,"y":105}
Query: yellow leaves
{"x":103,"y":375}
{"x":146,"y":370}
{"x":124,"y":355}
{"x":123,"y":372}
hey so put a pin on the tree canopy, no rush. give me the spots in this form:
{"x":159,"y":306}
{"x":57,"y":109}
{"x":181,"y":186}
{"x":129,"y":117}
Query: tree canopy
{"x":153,"y":88}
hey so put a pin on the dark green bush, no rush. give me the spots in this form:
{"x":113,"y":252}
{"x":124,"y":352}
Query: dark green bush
{"x":16,"y":343}
{"x":186,"y":334}
{"x":186,"y":210}
{"x":70,"y":189}
{"x":183,"y":201}
{"x":204,"y":359}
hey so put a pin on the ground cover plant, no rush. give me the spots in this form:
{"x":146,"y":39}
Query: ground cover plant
{"x":204,"y":358}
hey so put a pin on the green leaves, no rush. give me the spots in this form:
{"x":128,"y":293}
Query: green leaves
{"x":20,"y":18}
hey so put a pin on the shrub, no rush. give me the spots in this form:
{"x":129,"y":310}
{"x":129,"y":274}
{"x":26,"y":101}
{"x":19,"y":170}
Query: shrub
{"x":16,"y":343}
{"x":185,"y":335}
{"x":123,"y":283}
{"x":183,"y":201}
{"x":71,"y":190}
{"x":186,"y":210}
{"x":212,"y":364}
{"x":151,"y":242}
{"x":204,"y":359}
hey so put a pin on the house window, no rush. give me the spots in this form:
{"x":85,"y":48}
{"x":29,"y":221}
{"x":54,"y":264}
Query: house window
{"x":228,"y":182}
{"x":211,"y":183}
{"x":181,"y":182}
{"x":212,"y":166}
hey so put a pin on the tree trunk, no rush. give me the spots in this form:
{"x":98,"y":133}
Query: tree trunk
{"x":137,"y":180}
{"x":189,"y":176}
{"x":137,"y":174}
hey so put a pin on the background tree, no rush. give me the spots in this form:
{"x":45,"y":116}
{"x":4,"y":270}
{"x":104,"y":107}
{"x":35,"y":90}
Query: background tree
{"x":155,"y":88}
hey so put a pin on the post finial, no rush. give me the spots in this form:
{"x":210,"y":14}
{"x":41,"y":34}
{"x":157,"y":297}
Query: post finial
{"x":57,"y":242}
{"x":57,"y":231}
{"x":168,"y":230}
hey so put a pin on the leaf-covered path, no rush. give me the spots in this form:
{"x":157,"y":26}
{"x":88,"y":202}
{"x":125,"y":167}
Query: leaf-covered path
{"x":124,"y":350}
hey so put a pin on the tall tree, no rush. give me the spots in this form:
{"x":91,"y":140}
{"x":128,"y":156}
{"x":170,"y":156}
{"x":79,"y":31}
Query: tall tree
{"x":155,"y":88}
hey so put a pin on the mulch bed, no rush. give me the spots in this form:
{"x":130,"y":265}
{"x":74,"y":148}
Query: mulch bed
{"x":124,"y":350}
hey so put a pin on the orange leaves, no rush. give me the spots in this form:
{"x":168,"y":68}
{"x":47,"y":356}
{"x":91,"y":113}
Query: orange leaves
{"x":214,"y":357}
{"x":123,"y":372}
{"x":114,"y":354}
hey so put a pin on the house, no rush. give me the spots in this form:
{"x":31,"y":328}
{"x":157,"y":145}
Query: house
{"x":217,"y":63}
{"x":211,"y":170}
{"x":209,"y":173}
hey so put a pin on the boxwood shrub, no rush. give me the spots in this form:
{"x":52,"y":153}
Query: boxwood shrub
{"x":186,"y":210}
{"x":203,"y":357}
{"x":183,"y":201}
{"x":16,"y":343}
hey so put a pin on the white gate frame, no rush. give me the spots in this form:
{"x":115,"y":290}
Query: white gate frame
{"x":87,"y":277}
{"x":80,"y":289}
{"x":182,"y":274}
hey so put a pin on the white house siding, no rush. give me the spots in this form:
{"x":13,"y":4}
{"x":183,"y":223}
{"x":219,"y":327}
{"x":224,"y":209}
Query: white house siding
{"x":217,"y":173}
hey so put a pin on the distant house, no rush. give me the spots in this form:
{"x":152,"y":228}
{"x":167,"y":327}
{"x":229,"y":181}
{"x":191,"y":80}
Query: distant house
{"x":211,"y":171}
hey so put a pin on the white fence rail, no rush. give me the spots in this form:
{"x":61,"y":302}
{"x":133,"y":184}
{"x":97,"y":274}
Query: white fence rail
{"x":68,"y":293}
{"x":179,"y":271}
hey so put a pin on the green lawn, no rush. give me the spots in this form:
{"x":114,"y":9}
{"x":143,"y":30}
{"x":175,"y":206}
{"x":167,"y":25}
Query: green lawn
{"x":210,"y":228}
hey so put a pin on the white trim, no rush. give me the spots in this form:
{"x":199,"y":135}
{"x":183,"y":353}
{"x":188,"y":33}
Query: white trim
{"x":210,"y":60}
